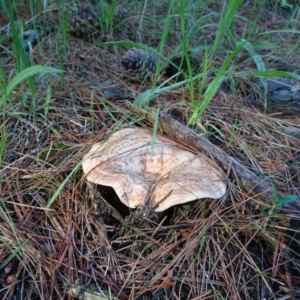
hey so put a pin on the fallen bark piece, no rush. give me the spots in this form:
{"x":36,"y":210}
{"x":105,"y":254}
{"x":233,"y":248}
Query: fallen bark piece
{"x":283,"y":96}
{"x":151,"y":171}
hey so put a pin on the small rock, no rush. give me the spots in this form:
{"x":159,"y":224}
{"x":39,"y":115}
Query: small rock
{"x":114,"y":94}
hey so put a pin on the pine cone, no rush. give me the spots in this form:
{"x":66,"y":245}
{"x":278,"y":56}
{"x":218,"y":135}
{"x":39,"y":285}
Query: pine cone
{"x":139,"y":62}
{"x":120,"y":14}
{"x":178,"y":65}
{"x":82,"y":20}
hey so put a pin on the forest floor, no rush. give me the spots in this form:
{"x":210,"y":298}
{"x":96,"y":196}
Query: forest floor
{"x":62,"y":237}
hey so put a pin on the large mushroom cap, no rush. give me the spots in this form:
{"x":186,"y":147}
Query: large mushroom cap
{"x":146,"y":171}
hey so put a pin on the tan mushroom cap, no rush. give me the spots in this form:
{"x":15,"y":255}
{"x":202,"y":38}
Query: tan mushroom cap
{"x":144,"y":171}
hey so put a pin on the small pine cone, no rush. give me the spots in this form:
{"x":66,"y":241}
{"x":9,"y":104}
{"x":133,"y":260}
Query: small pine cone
{"x":139,"y":62}
{"x":82,"y":20}
{"x":120,"y":14}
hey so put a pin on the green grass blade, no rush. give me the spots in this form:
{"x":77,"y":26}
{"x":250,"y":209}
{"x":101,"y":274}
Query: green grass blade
{"x":226,"y":22}
{"x":214,"y":86}
{"x":27,"y":73}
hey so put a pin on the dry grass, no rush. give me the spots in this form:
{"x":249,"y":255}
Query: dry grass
{"x":210,"y":249}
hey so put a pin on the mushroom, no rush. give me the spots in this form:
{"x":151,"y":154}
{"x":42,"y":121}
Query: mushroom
{"x":144,"y":170}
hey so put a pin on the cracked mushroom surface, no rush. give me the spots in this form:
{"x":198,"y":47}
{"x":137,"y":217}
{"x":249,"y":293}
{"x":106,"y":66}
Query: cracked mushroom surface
{"x":155,"y":171}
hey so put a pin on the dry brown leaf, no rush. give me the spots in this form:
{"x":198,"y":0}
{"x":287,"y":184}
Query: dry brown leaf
{"x":157,"y":172}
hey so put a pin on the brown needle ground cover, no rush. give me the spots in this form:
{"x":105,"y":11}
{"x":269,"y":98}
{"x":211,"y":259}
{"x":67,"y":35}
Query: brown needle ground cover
{"x":210,"y":249}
